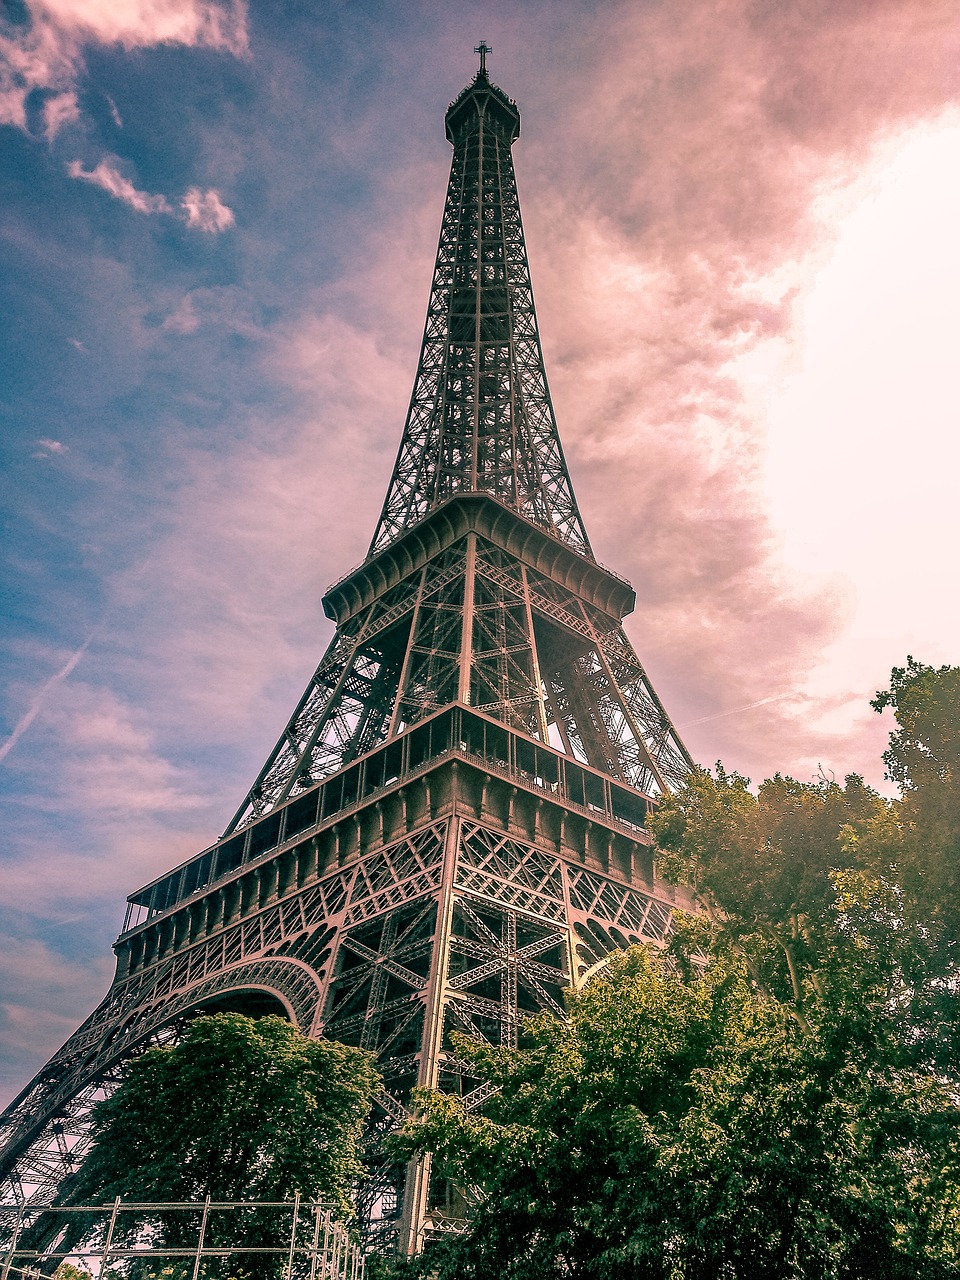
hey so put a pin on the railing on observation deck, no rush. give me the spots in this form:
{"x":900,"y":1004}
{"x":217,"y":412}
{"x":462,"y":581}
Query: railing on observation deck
{"x":306,"y":1242}
{"x":457,"y":730}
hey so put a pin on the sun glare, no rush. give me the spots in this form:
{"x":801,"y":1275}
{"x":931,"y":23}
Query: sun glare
{"x":864,"y":447}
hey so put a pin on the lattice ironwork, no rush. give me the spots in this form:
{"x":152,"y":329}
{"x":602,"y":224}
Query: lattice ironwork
{"x":449,"y":831}
{"x":282,"y":948}
{"x":480,"y":417}
{"x":475,"y":622}
{"x":478,"y":625}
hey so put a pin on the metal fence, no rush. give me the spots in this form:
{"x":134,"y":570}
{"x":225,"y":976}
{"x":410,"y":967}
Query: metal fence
{"x":295,"y":1240}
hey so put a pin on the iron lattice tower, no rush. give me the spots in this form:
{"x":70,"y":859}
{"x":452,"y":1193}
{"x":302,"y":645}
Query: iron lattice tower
{"x":450,"y":830}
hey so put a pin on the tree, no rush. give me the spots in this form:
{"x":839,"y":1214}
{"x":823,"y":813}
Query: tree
{"x":805,"y":882}
{"x":238,"y":1109}
{"x":924,"y":760}
{"x":692,"y":1128}
{"x":774,"y":1098}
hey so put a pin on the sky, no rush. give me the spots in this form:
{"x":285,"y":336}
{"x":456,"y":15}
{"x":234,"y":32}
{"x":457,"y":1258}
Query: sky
{"x":217,"y":230}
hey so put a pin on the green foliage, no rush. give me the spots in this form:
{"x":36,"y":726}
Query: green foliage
{"x":239,"y":1109}
{"x":775,"y":1098}
{"x":693,"y":1128}
{"x":764,"y":866}
{"x":924,"y":760}
{"x":67,"y":1271}
{"x":925,"y":746}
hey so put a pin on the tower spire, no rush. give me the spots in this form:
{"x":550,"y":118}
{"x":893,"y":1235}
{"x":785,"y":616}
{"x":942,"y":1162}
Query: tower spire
{"x":481,"y":419}
{"x":483,"y":49}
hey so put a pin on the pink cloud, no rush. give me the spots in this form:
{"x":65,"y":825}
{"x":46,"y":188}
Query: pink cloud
{"x":112,"y":765}
{"x":240,"y":583}
{"x":224,"y":306}
{"x":679,"y":202}
{"x":137,"y":24}
{"x":46,"y":52}
{"x":183,"y":319}
{"x":107,"y":176}
{"x":50,"y":448}
{"x":206,"y":211}
{"x":202,"y":210}
{"x":41,"y":999}
{"x":60,"y":110}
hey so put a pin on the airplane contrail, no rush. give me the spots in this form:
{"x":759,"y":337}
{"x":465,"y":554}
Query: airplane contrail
{"x":761,"y":702}
{"x":31,"y":713}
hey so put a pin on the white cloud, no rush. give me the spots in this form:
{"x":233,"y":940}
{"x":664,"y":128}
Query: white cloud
{"x":46,"y":53}
{"x":112,"y":180}
{"x":135,"y":24}
{"x":59,"y":110}
{"x":206,"y":211}
{"x":203,"y":210}
{"x":50,"y":447}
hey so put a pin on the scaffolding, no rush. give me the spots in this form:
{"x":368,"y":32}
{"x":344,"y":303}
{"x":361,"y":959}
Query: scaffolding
{"x":297,"y":1240}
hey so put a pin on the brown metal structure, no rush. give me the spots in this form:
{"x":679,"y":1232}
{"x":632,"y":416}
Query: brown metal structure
{"x":451,"y":829}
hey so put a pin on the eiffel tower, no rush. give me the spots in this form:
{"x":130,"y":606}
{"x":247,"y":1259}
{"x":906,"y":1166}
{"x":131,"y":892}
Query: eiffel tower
{"x":451,"y":828}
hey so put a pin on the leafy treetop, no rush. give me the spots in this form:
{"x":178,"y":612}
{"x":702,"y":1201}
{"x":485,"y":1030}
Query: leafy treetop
{"x":238,"y":1109}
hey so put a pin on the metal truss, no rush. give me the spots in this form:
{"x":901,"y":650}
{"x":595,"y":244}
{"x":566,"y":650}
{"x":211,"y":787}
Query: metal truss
{"x":344,"y":707}
{"x":355,"y":954}
{"x":284,"y":947}
{"x":475,"y":623}
{"x":478,"y":625}
{"x":480,"y":416}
